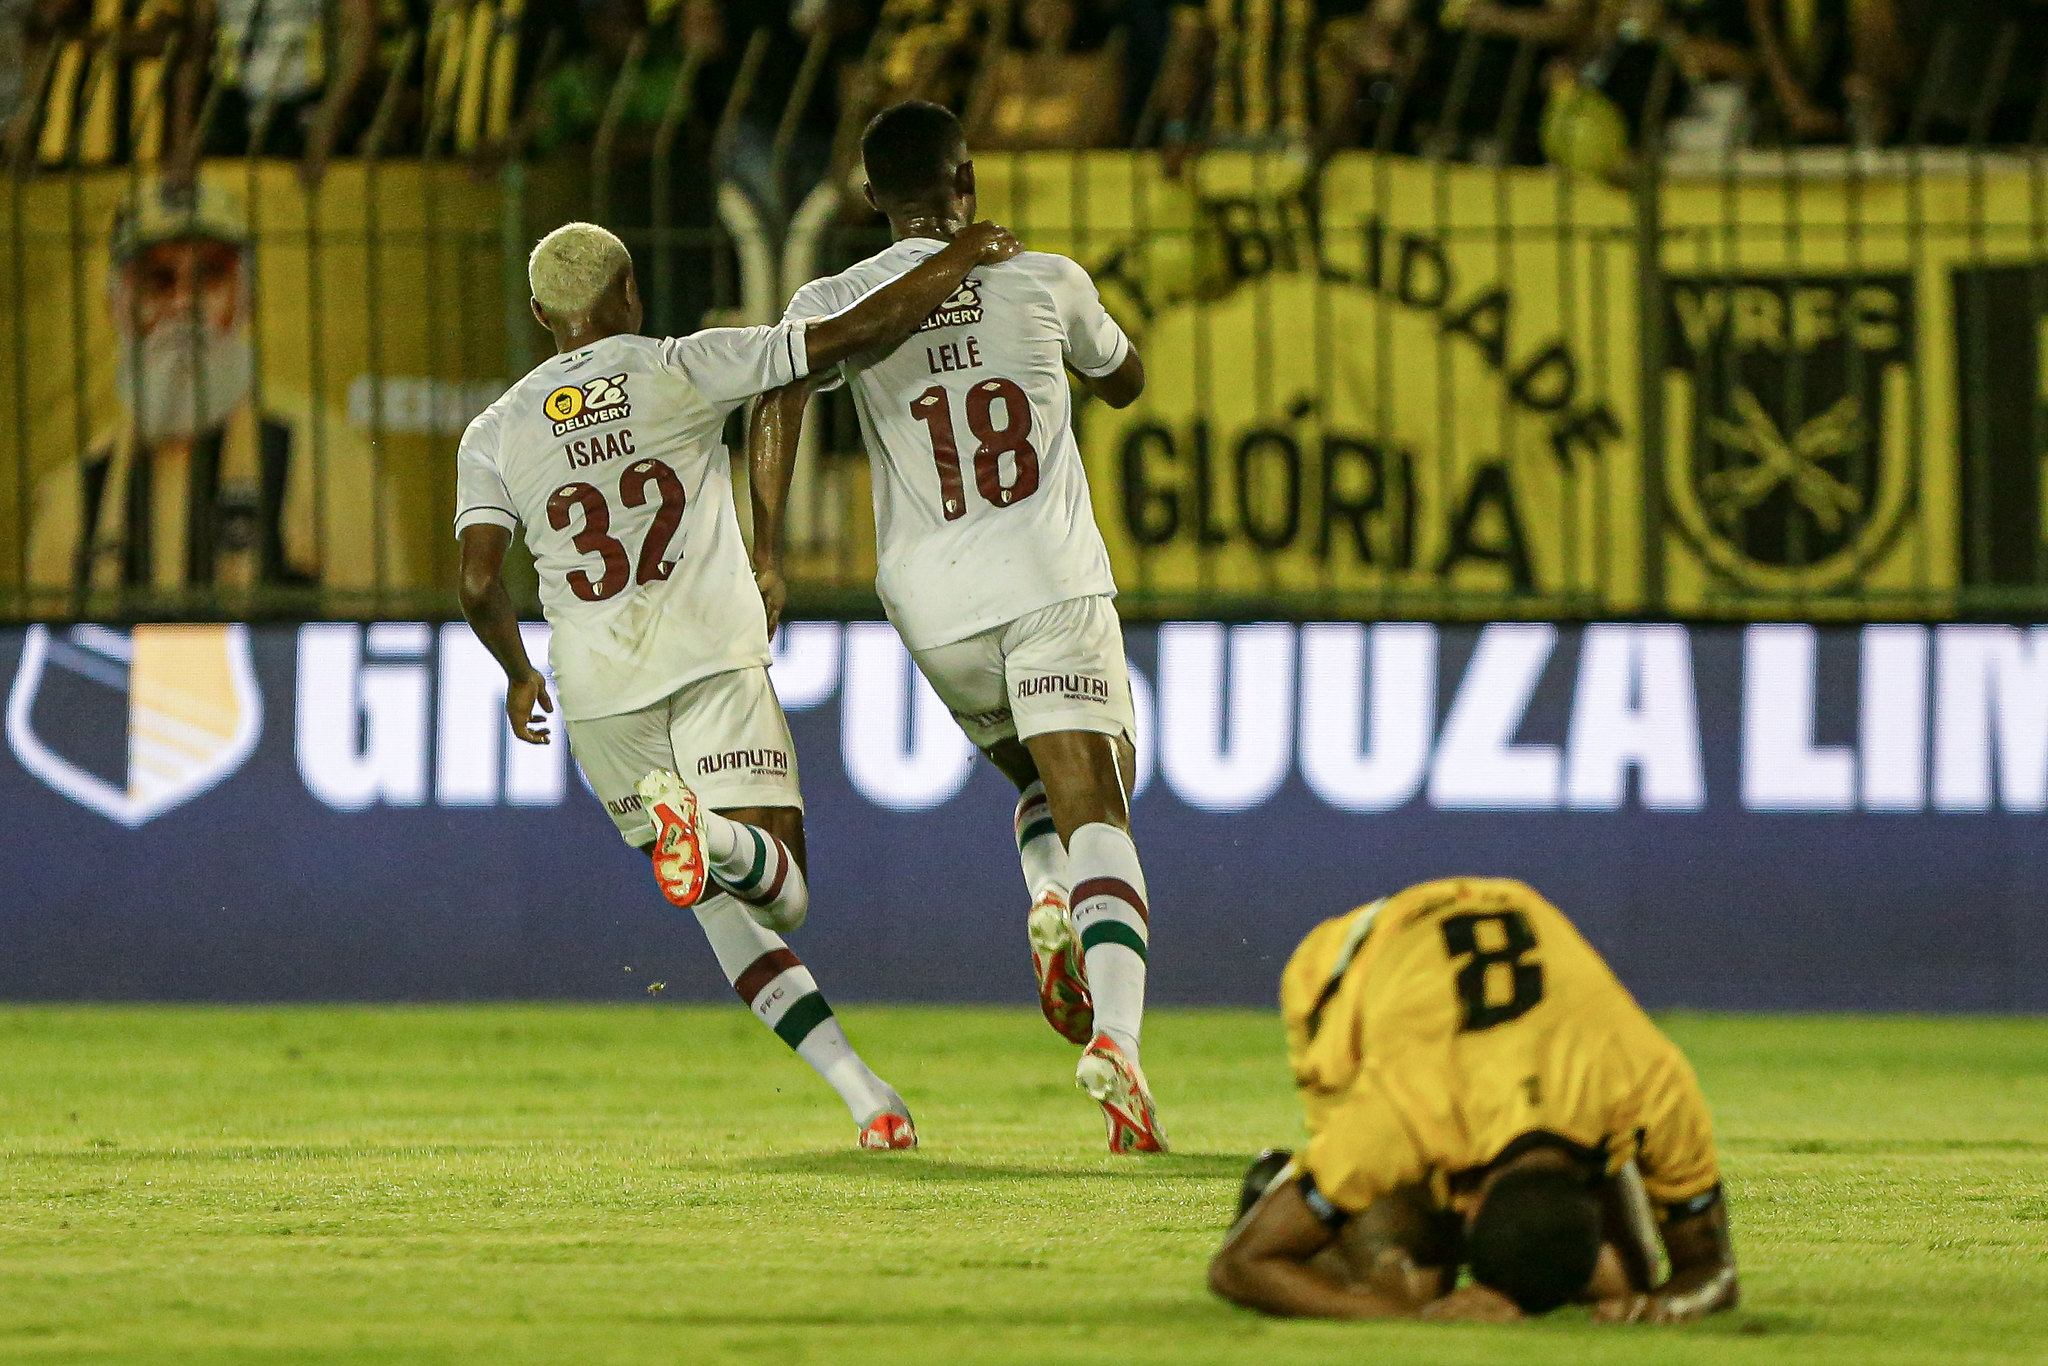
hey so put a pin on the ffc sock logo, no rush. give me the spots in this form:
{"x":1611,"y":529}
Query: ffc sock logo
{"x":134,"y":723}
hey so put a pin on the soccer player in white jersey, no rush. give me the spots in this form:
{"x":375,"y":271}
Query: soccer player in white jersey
{"x":992,"y":569}
{"x":609,"y":456}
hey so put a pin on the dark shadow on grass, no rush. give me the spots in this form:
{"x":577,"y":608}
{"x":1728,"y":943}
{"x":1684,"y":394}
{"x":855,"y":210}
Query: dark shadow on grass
{"x":108,"y":1152}
{"x":927,"y":1169}
{"x":1879,"y":1147}
{"x":1121,"y":1316}
{"x":1746,"y":1325}
{"x":1176,"y":1314}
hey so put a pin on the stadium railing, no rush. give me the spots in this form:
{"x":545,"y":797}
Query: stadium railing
{"x":1760,"y":382}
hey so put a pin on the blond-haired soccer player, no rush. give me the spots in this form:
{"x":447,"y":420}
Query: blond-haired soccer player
{"x":608,"y":455}
{"x":1479,"y":1088}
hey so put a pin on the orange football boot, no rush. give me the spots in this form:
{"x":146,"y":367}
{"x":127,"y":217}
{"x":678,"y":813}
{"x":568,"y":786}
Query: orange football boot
{"x":1117,"y":1084}
{"x":1061,"y":971}
{"x":888,"y":1130}
{"x":678,"y":840}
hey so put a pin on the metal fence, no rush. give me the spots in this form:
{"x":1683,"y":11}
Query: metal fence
{"x":1420,"y":378}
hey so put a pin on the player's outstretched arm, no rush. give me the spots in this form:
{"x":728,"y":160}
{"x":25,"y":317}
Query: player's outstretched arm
{"x":1266,"y":1264}
{"x":890,"y":314}
{"x":487,"y":607}
{"x":772,"y":434}
{"x":1702,"y":1279}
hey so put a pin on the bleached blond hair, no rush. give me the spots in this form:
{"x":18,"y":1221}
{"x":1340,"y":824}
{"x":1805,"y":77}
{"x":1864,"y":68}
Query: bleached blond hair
{"x":571,"y":267}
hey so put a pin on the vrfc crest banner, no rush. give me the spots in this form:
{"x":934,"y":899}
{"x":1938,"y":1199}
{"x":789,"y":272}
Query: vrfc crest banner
{"x":1789,"y":420}
{"x":1401,"y":386}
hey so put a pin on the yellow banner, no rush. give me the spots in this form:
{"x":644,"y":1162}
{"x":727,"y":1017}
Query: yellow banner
{"x":301,"y":433}
{"x":1415,"y":387}
{"x":1389,"y":387}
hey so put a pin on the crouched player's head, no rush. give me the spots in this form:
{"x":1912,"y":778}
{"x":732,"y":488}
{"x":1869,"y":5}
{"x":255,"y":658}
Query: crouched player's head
{"x":1535,"y":1236}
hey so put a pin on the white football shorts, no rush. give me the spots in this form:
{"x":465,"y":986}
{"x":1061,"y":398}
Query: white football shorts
{"x":726,"y":735}
{"x":1059,"y":668}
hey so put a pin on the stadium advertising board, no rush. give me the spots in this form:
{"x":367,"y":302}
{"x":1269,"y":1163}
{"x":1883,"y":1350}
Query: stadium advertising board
{"x":1782,"y":816}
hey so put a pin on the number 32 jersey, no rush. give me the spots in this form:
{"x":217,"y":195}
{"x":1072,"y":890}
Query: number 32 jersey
{"x":1432,"y":1031}
{"x":981,"y":501}
{"x":611,"y":460}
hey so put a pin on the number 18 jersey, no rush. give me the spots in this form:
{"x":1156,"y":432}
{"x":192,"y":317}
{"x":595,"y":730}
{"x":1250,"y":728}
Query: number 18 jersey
{"x":610,"y":457}
{"x":982,"y":512}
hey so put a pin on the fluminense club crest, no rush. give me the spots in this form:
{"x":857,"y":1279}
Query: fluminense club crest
{"x":1787,"y":423}
{"x":132,"y":723}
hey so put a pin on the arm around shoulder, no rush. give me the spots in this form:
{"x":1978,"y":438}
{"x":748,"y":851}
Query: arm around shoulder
{"x":890,"y":314}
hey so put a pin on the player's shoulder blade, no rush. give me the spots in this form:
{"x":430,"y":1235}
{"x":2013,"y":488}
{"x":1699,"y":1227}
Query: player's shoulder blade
{"x":1049,"y":269}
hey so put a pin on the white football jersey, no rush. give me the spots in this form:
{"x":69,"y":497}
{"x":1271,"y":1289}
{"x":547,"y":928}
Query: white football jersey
{"x":611,"y":459}
{"x":981,"y":501}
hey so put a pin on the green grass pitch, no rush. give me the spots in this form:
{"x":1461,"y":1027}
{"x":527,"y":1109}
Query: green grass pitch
{"x":667,"y":1184}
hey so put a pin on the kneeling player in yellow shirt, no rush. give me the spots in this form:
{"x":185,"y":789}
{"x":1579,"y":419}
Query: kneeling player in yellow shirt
{"x":1479,"y":1089}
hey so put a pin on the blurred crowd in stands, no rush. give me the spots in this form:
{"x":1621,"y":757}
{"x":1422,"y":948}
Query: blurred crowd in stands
{"x":778,"y":89}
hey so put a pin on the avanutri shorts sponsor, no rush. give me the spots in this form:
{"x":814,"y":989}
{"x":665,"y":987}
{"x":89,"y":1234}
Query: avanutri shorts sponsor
{"x":725,"y":734}
{"x":1059,"y":668}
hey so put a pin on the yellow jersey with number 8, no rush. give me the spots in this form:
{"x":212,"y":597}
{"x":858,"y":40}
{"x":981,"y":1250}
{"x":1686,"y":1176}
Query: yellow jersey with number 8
{"x":1432,"y":1030}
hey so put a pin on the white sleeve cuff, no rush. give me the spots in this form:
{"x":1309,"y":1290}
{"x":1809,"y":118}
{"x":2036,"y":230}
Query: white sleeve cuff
{"x":485,"y":515}
{"x":1118,"y":357}
{"x":800,"y":348}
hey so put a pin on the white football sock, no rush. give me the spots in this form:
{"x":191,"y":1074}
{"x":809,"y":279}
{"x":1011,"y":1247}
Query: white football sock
{"x":781,"y":992}
{"x":755,"y":867}
{"x":1111,"y":916}
{"x":1039,"y":850}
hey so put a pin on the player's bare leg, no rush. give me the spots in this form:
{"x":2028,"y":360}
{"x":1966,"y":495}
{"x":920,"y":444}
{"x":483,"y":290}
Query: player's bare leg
{"x":750,"y":864}
{"x":1087,"y":779}
{"x":1056,"y":958}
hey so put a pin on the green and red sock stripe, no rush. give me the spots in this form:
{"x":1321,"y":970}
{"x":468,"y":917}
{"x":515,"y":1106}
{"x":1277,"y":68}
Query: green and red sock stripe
{"x":780,"y":989}
{"x":762,"y":882}
{"x":1104,"y":925}
{"x":1034,"y":817}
